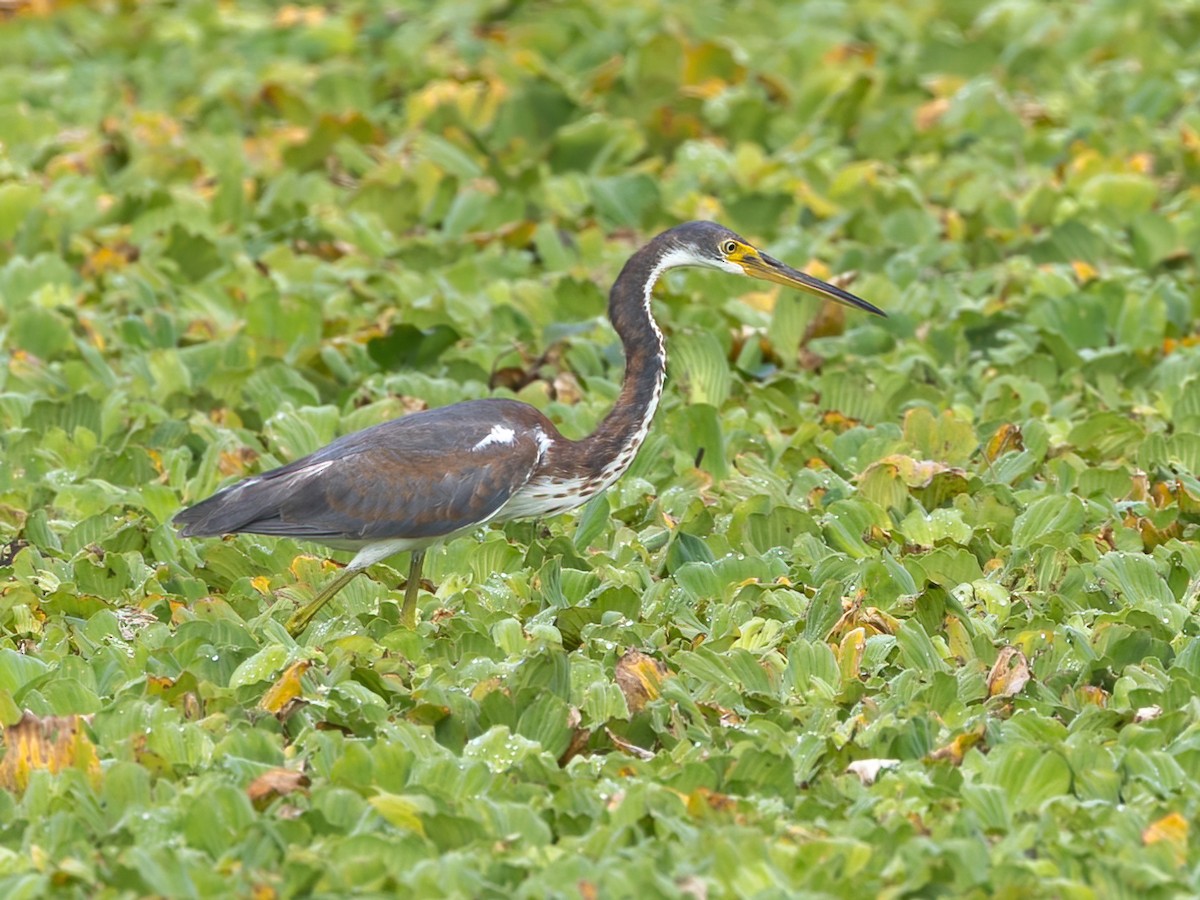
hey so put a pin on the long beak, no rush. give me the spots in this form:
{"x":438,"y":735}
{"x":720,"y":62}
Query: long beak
{"x":770,"y":269}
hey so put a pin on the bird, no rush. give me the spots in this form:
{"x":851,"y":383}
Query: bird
{"x":418,"y":480}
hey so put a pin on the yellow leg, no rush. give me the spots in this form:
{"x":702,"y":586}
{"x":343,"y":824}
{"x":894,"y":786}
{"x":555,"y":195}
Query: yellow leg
{"x":300,"y":619}
{"x":408,"y":612}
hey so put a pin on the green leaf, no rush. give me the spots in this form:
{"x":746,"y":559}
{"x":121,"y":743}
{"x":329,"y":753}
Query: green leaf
{"x":1031,"y":777}
{"x":404,"y":811}
{"x":1154,"y":239}
{"x":262,"y":666}
{"x":625,"y":199}
{"x":1124,"y":195}
{"x":593,"y":521}
{"x":698,"y":362}
{"x":17,"y":670}
{"x":42,"y":332}
{"x":1046,"y":518}
{"x":16,"y":201}
{"x":917,"y":650}
{"x":934,"y":527}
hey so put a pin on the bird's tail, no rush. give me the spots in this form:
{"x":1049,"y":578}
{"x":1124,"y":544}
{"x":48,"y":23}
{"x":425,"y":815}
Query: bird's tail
{"x":227,"y":512}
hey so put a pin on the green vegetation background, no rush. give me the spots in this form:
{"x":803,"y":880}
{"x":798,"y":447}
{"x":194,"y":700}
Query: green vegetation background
{"x":916,"y":599}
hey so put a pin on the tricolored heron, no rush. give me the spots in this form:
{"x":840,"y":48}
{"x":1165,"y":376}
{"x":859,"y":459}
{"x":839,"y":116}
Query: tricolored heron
{"x":423,"y":478}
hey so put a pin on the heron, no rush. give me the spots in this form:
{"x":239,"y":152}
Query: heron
{"x":416,"y":481}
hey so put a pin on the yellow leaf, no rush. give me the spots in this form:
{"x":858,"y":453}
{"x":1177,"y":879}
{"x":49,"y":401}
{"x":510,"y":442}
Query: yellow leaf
{"x":235,"y":462}
{"x":1085,"y":160}
{"x":708,"y":68}
{"x":290,"y":15}
{"x":1084,"y":272}
{"x":958,"y":639}
{"x":704,"y":90}
{"x":1006,"y":438}
{"x":953,"y":225}
{"x":95,"y":336}
{"x":306,"y":567}
{"x":286,"y":689}
{"x":261,"y":583}
{"x":404,"y":810}
{"x":929,"y":114}
{"x":701,"y":801}
{"x":1096,"y":696}
{"x":103,"y":260}
{"x":818,"y":269}
{"x":763,"y":301}
{"x":957,"y":748}
{"x":943,"y":85}
{"x":817,"y":204}
{"x":837,"y":421}
{"x":1190,"y":139}
{"x":36,"y":8}
{"x":1172,"y":830}
{"x":843,"y":53}
{"x":850,"y":653}
{"x":640,"y":678}
{"x":1142,"y":163}
{"x":53,"y":743}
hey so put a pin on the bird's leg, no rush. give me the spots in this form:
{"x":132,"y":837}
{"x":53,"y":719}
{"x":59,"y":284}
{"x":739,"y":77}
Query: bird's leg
{"x":303,"y":616}
{"x":408,"y":612}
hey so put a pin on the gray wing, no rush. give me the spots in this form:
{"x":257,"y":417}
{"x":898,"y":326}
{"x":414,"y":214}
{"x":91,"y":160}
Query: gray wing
{"x":425,"y":475}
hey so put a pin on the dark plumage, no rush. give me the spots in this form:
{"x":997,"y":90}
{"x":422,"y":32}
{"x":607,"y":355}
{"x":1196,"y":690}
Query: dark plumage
{"x":411,"y":482}
{"x":394,"y":480}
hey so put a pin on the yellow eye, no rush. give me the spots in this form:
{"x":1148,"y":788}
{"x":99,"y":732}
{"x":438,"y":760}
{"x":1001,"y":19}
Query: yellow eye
{"x":729,"y":248}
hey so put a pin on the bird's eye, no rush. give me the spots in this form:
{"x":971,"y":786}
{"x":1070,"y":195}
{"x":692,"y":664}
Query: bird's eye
{"x":729,"y":248}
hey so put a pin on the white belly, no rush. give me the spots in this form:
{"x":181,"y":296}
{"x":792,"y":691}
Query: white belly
{"x":543,"y":497}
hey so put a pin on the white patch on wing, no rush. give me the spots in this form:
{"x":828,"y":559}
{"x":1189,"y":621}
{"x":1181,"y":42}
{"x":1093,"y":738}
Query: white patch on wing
{"x":548,"y":497}
{"x":543,"y":443}
{"x":500,"y":434}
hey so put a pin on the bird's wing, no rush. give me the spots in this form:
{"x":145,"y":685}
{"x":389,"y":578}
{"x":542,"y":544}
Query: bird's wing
{"x":423,"y":476}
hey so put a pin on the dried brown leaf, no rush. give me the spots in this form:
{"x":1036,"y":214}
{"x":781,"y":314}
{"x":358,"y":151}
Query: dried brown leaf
{"x":274,"y":783}
{"x":53,"y":743}
{"x":579,"y":737}
{"x":625,"y":746}
{"x":640,"y":678}
{"x":1009,"y":675}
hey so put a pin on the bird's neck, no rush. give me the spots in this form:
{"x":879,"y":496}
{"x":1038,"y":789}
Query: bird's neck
{"x":610,"y":449}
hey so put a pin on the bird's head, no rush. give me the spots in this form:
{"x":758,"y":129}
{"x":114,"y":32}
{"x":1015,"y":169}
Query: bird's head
{"x":715,"y":246}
